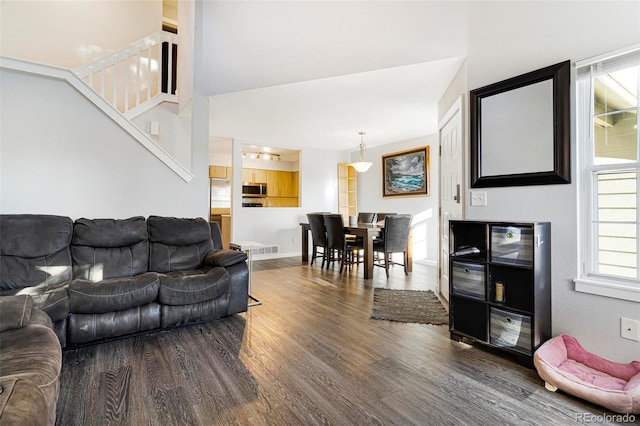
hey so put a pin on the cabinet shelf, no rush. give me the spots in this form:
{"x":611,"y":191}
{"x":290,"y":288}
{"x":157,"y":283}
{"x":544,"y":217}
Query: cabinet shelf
{"x":509,"y":308}
{"x":479,"y":258}
{"x":501,"y":294}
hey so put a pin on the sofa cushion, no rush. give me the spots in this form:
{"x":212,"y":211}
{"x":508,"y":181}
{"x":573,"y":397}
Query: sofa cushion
{"x":114,"y":294}
{"x":189,"y":287}
{"x":15,"y":312}
{"x":225,"y":258}
{"x":34,"y":353}
{"x":38,"y":317}
{"x":178,"y":244}
{"x":109,"y":248}
{"x":22,"y":403}
{"x":54,"y":301}
{"x":172,"y":316}
{"x":34,"y":251}
{"x":83,"y":328}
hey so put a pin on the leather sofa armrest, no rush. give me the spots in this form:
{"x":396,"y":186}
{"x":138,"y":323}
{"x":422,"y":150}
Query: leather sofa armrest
{"x":225,"y":258}
{"x":15,"y":311}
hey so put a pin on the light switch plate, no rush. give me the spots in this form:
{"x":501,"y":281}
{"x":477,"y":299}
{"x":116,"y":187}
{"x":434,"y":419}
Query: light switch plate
{"x":630,"y":329}
{"x":478,"y":198}
{"x":154,"y":128}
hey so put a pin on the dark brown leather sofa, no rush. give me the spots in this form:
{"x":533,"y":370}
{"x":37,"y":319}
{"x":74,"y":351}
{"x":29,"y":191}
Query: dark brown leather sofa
{"x":99,"y":279}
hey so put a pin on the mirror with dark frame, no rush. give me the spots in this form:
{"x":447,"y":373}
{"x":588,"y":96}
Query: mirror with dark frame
{"x":520,"y":130}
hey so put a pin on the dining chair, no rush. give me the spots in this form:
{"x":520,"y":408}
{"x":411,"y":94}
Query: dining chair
{"x":381,"y":216}
{"x":337,"y":241}
{"x":366,"y":217}
{"x":318,"y":236}
{"x":380,"y":222}
{"x":363,"y":218}
{"x":395,"y":238}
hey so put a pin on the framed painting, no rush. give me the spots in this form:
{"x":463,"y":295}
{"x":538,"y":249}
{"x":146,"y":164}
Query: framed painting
{"x":406,"y":173}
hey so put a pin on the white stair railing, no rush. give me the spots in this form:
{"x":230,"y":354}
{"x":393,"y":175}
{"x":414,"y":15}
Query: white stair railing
{"x":136,"y":77}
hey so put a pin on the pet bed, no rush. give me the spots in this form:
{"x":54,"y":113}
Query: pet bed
{"x":564,"y":364}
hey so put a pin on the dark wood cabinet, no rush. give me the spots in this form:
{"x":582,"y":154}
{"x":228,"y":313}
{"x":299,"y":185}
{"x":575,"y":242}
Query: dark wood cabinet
{"x":500,"y":285}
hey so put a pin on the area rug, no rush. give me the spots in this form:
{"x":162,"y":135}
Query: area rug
{"x":421,"y":307}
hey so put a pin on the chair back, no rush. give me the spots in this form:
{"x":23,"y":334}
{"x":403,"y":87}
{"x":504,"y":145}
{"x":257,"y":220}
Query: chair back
{"x":34,"y":250}
{"x":366,"y":217}
{"x":396,"y":232}
{"x":216,"y":235}
{"x":318,"y":231}
{"x":109,"y":248}
{"x":381,"y":216}
{"x":178,"y":244}
{"x":335,"y":231}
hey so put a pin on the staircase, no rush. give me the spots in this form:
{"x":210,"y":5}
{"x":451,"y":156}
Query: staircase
{"x":124,"y":84}
{"x":136,"y":77}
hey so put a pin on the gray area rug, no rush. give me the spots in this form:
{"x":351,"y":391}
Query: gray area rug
{"x":421,"y":307}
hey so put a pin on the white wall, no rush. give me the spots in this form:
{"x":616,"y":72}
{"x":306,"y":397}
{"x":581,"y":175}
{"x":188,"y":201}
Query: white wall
{"x":281,"y":226}
{"x":174,"y":131}
{"x":423,"y":209}
{"x":61,"y":155}
{"x":71,"y":33}
{"x":508,"y":39}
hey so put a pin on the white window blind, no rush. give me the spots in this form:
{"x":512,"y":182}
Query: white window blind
{"x":607,"y":120}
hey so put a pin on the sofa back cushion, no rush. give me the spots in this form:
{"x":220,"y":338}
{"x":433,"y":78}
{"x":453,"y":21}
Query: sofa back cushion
{"x":109,"y":248}
{"x":34,"y":251}
{"x":178,"y":244}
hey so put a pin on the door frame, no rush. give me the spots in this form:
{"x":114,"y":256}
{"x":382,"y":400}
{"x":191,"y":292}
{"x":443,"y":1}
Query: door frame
{"x":458,"y":106}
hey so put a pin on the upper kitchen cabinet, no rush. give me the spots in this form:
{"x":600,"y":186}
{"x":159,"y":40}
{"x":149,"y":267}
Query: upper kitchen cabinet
{"x":219,"y":172}
{"x":254,"y":175}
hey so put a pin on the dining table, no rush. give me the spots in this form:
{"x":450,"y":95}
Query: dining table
{"x":367,"y":231}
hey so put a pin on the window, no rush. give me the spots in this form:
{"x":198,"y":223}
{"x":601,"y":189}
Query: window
{"x":607,"y":119}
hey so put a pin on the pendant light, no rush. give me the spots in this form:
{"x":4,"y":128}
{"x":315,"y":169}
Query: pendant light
{"x":361,"y":166}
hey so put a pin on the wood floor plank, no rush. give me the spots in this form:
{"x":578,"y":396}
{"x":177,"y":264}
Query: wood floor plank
{"x":309,"y":355}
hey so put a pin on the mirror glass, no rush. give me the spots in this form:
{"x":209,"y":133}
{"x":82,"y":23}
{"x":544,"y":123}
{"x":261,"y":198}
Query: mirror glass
{"x":517,"y":131}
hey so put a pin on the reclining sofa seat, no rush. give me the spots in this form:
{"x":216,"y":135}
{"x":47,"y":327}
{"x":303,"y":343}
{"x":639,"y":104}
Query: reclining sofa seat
{"x":112,"y":293}
{"x":194,"y":285}
{"x":35,"y":260}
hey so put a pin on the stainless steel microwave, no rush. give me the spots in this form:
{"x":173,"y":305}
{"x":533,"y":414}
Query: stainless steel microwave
{"x":253,"y":189}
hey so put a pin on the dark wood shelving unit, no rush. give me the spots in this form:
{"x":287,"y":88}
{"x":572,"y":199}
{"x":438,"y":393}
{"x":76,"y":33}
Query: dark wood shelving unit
{"x":500,"y":285}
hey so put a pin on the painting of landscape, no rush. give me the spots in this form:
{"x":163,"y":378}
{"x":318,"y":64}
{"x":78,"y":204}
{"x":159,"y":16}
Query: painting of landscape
{"x":406,"y":173}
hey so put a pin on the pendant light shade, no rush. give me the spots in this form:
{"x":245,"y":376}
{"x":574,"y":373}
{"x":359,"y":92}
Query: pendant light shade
{"x":361,"y":165}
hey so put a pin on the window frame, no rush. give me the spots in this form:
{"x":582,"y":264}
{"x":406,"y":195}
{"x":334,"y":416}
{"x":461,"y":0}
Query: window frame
{"x":589,"y":281}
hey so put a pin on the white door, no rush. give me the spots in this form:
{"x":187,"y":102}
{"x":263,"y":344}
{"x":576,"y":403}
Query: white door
{"x":451,"y":188}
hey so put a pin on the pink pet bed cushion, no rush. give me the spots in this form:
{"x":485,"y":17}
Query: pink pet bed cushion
{"x":564,"y":364}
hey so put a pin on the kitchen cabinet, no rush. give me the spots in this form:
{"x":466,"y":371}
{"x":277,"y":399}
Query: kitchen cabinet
{"x":220,"y":172}
{"x":282,"y":202}
{"x":254,"y":175}
{"x":226,"y":230}
{"x":282,"y":183}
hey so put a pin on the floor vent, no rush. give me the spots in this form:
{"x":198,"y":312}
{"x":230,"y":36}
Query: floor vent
{"x":266,"y":249}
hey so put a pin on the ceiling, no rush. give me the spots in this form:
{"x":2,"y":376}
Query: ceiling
{"x":315,"y":73}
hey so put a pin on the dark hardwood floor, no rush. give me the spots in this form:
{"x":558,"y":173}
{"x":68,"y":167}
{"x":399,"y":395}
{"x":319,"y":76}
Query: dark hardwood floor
{"x":310,"y":354}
